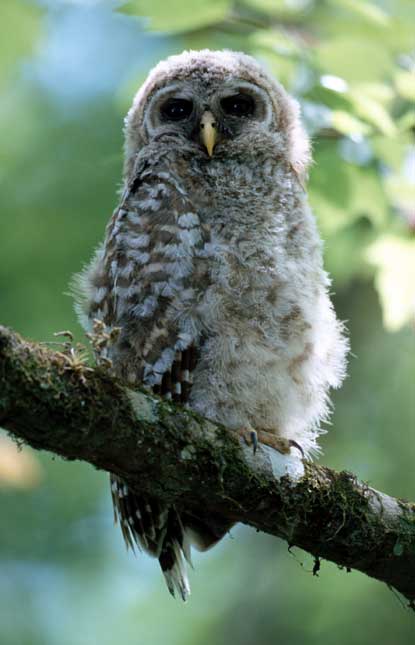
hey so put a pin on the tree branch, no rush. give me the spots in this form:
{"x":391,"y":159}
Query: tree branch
{"x":54,"y":401}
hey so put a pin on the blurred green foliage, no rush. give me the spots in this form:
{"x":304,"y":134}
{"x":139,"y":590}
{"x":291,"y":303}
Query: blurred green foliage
{"x":68,"y":71}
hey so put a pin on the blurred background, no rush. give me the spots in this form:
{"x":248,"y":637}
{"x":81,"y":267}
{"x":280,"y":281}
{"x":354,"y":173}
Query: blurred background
{"x":68,"y":72}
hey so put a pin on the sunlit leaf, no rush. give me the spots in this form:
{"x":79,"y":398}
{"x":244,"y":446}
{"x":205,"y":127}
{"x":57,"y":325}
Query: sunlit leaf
{"x":366,"y":10}
{"x":391,"y":150}
{"x":178,"y":15}
{"x":330,"y":98}
{"x":215,"y":37}
{"x":381,"y":93}
{"x":394,"y":259}
{"x":284,"y":68}
{"x":373,"y":112}
{"x":401,"y":190}
{"x":346,"y":123}
{"x":354,"y":59}
{"x":282,"y":8}
{"x":276,"y":40}
{"x":405,"y":84}
{"x":334,"y":83}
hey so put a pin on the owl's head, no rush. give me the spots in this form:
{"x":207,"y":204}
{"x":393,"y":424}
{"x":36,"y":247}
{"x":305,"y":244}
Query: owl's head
{"x":222,"y":103}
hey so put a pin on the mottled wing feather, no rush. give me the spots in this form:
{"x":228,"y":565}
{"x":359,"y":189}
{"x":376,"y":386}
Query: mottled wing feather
{"x":177,"y":382}
{"x":142,"y":522}
{"x":151,"y":266}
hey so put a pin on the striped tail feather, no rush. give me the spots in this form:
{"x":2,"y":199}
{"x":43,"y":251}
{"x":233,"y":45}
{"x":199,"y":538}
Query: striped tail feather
{"x":175,"y":552}
{"x":157,"y":530}
{"x":163,"y":533}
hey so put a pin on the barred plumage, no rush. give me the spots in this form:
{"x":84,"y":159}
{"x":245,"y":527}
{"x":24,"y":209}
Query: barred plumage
{"x":212,"y":269}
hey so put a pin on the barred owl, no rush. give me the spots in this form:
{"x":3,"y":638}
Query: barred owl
{"x":212,"y":269}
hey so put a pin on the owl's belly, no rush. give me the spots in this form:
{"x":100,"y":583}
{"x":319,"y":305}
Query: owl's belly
{"x":251,"y":368}
{"x":266,"y":362}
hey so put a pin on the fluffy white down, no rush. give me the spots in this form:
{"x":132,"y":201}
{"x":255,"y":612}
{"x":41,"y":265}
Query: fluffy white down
{"x":250,"y":374}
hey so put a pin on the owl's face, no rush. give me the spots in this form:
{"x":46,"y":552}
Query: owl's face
{"x":219,"y":104}
{"x":216,"y":117}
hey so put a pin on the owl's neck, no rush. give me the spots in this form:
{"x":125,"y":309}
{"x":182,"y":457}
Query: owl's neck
{"x":249,"y":194}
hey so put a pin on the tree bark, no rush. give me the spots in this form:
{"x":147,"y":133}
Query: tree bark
{"x":54,"y":401}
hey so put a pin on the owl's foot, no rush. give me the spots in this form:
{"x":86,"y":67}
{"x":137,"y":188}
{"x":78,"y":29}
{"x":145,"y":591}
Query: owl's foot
{"x":253,"y":437}
{"x":278,"y":443}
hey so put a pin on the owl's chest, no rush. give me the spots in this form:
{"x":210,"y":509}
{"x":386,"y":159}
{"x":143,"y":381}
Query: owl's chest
{"x":243,"y":280}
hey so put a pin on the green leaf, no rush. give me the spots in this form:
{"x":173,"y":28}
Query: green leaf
{"x":401,"y":191}
{"x":346,"y":123}
{"x":368,"y":197}
{"x":283,"y":68}
{"x":341,"y":192}
{"x":178,"y":15}
{"x":214,"y":37}
{"x":344,"y":253}
{"x":330,"y":190}
{"x":282,"y":8}
{"x":372,"y":111}
{"x":354,"y":59}
{"x":365,"y":10}
{"x":391,"y":150}
{"x":329,"y":98}
{"x":394,"y":259}
{"x":407,"y":121}
{"x":405,"y":85}
{"x":275,"y":40}
{"x":376,"y":91}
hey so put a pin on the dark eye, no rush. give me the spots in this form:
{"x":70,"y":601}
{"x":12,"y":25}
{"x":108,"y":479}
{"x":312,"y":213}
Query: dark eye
{"x":176,"y":109}
{"x":238,"y":105}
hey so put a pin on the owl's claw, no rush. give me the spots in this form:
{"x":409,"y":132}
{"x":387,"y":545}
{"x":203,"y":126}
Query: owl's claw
{"x":279,"y":443}
{"x":294,"y":444}
{"x":250,"y":437}
{"x":254,"y":440}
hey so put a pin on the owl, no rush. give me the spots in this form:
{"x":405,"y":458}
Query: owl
{"x":212,"y":270}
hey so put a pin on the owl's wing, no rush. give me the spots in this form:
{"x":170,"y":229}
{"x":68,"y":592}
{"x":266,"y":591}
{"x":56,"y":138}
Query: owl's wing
{"x":148,"y":276}
{"x":146,"y":280}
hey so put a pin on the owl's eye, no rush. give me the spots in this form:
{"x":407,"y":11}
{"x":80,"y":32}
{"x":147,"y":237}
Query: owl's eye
{"x":238,"y":105}
{"x":176,"y":109}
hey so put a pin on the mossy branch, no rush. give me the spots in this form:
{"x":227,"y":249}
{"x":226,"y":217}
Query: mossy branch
{"x":53,"y":401}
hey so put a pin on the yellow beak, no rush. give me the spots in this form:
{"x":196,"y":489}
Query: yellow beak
{"x":208,"y":131}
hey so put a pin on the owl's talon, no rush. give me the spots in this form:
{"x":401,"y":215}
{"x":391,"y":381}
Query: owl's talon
{"x":280,"y":444}
{"x":249,"y":436}
{"x":294,"y":444}
{"x":254,"y":440}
